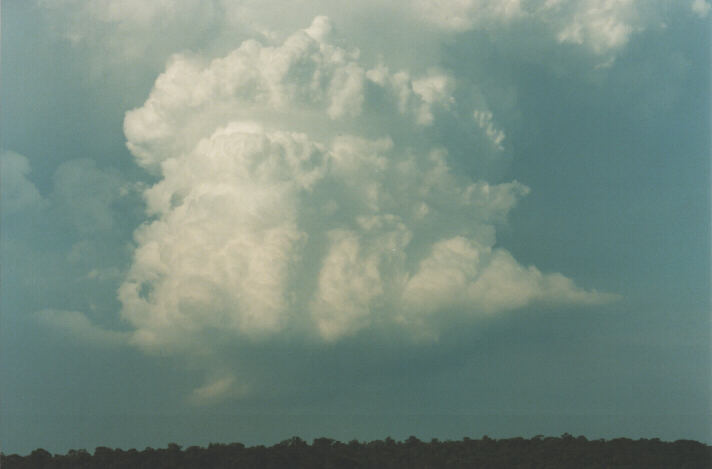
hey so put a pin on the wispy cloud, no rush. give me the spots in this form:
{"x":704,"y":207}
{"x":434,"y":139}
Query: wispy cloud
{"x":80,"y":329}
{"x":700,"y":7}
{"x":19,"y":194}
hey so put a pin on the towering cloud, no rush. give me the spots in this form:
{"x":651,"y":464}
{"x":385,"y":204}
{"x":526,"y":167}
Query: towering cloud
{"x":298,"y":198}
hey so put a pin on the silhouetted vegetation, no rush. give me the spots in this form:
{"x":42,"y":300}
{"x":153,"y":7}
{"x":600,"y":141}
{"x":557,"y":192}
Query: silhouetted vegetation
{"x":539,"y":452}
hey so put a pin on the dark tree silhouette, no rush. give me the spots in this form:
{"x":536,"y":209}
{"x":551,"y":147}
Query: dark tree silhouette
{"x":540,"y":452}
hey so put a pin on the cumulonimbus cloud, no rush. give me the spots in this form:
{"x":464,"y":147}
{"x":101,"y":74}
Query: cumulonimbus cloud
{"x":281,"y":210}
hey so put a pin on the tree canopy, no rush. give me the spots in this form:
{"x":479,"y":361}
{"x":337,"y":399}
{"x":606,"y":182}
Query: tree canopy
{"x":566,"y":451}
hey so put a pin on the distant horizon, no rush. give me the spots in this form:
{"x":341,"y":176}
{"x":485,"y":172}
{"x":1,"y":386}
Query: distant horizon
{"x":563,"y":451}
{"x":253,"y":430}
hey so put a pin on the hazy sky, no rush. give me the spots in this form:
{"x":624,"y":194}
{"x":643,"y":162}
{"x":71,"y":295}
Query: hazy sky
{"x":247,"y":220}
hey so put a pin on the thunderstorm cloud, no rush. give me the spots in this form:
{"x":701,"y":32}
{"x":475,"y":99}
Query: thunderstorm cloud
{"x":296,"y":198}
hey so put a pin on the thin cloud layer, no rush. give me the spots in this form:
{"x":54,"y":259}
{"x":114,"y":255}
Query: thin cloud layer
{"x":78,"y":328}
{"x":84,"y":194}
{"x":283,"y":211}
{"x":19,"y":194}
{"x":134,"y":31}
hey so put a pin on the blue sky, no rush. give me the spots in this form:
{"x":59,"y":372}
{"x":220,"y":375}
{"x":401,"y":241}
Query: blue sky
{"x":221,"y":223}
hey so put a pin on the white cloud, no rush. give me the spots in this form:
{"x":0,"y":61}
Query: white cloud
{"x":461,"y":274}
{"x":484,"y":120}
{"x":284,"y":211}
{"x":218,"y":389}
{"x":602,"y":25}
{"x":287,"y":85}
{"x":219,"y":257}
{"x":417,"y":96}
{"x":700,"y":7}
{"x":19,"y":194}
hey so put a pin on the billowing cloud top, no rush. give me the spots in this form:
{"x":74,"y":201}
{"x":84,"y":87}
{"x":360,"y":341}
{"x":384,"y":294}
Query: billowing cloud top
{"x":296,"y":199}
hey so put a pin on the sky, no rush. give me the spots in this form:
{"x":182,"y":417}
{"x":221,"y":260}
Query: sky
{"x":243,"y":221}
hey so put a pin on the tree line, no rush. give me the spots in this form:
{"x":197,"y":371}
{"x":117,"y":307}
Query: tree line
{"x":539,"y":452}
